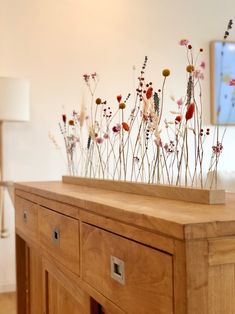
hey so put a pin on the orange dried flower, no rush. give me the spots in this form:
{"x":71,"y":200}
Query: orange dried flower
{"x":149,"y":92}
{"x":125,"y":126}
{"x":190,"y":111}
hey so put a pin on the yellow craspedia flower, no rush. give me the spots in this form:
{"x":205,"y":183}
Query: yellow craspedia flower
{"x":190,"y":68}
{"x":122,"y":105}
{"x":166,"y":72}
{"x":98,"y":101}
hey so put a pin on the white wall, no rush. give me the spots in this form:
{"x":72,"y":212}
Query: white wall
{"x":53,"y":42}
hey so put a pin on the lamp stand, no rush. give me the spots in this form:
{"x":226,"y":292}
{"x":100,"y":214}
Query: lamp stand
{"x":3,"y":231}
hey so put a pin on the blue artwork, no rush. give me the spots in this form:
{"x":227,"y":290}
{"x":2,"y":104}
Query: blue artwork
{"x":223,"y":82}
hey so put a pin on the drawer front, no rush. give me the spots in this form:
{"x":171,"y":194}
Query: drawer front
{"x":59,"y":236}
{"x":26,"y":217}
{"x":137,"y":278}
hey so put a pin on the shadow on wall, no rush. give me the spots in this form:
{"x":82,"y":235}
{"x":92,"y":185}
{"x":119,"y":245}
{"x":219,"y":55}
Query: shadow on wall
{"x":225,"y":180}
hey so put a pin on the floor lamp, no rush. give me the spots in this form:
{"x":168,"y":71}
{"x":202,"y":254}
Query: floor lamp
{"x":14,"y":106}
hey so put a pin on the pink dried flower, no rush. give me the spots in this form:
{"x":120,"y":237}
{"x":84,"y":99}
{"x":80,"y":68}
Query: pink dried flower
{"x":74,"y":113}
{"x":198,"y":75}
{"x":99,"y":140}
{"x":106,"y":136}
{"x":203,"y":65}
{"x":116,"y":128}
{"x":179,"y":102}
{"x":183,"y":42}
{"x":118,"y":125}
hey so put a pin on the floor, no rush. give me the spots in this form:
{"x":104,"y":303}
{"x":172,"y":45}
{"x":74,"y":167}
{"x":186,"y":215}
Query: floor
{"x":8,"y":303}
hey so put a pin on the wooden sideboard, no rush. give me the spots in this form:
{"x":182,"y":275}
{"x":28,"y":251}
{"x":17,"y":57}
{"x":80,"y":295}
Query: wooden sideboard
{"x":82,"y":249}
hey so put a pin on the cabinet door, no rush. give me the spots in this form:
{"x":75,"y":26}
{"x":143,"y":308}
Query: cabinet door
{"x":62,"y":295}
{"x":29,"y":278}
{"x":34,"y":269}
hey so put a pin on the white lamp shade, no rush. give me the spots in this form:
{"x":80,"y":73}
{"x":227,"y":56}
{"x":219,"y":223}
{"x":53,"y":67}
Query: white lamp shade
{"x":14,"y":99}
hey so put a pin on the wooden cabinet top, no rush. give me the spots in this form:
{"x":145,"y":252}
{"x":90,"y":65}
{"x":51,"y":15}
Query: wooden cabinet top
{"x":177,"y":219}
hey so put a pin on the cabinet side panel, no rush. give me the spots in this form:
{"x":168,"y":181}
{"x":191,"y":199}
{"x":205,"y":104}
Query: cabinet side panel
{"x":197,"y":276}
{"x":222,"y":289}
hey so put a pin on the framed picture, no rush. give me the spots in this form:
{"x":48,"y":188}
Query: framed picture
{"x":222,"y":82}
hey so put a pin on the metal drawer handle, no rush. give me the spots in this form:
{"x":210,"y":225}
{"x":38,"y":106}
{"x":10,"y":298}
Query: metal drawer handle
{"x":56,"y":236}
{"x":117,"y":270}
{"x":25,"y":216}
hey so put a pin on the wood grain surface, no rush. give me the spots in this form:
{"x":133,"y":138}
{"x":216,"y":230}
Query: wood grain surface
{"x":148,"y":273}
{"x":178,"y":219}
{"x":189,"y":194}
{"x":66,"y":247}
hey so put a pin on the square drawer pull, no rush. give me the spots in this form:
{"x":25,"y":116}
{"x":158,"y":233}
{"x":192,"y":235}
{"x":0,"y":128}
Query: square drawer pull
{"x":117,"y":270}
{"x":56,"y":236}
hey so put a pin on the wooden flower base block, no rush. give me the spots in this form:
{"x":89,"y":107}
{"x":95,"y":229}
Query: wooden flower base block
{"x":195,"y":195}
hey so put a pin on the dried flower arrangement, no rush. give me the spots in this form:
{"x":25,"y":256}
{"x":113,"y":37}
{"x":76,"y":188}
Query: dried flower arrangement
{"x":134,"y":143}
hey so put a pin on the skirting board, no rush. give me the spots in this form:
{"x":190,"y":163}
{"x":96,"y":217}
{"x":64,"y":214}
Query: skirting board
{"x":7,"y":288}
{"x":195,"y":195}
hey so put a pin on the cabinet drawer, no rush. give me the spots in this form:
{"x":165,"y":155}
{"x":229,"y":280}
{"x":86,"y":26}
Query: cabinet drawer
{"x":135,"y":277}
{"x":59,"y":236}
{"x":26,"y":219}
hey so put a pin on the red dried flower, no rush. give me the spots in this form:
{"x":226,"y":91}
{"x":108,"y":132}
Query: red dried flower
{"x":149,"y":92}
{"x":218,"y":148}
{"x":190,"y":111}
{"x":116,"y":128}
{"x":125,"y":126}
{"x":119,"y":98}
{"x":64,"y":118}
{"x":178,"y":119}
